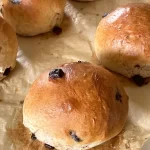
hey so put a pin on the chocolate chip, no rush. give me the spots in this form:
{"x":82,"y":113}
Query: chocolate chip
{"x":137,"y":66}
{"x":138,"y":80}
{"x":74,"y":136}
{"x":1,"y":10}
{"x":79,"y":61}
{"x":33,"y":137}
{"x":15,"y":1}
{"x":56,"y":73}
{"x":21,"y":102}
{"x":7,"y":71}
{"x":104,"y":15}
{"x":118,"y":96}
{"x":48,"y":146}
{"x":57,"y":30}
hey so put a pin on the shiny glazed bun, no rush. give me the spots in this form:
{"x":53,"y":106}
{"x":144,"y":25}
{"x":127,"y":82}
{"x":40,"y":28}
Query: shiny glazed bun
{"x":8,"y":48}
{"x":75,"y":106}
{"x":122,"y":41}
{"x":33,"y":17}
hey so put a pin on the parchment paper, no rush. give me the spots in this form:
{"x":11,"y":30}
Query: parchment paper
{"x":39,"y":53}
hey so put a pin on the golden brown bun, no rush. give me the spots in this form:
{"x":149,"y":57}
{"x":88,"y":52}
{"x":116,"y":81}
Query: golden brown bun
{"x":8,"y":48}
{"x":122,"y":41}
{"x":84,"y":108}
{"x":32,"y":17}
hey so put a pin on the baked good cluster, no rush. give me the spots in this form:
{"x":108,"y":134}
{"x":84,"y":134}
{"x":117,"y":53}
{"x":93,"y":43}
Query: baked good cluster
{"x":78,"y":105}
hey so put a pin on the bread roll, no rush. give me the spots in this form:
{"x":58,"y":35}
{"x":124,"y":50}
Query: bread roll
{"x":33,"y":17}
{"x":122,"y":41}
{"x":75,"y":106}
{"x":8,"y":48}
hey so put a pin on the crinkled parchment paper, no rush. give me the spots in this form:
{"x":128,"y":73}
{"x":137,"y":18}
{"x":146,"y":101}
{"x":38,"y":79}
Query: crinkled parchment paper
{"x":39,"y":53}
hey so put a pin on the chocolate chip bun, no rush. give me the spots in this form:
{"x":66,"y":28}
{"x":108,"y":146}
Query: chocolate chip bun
{"x":122,"y":41}
{"x":75,"y":106}
{"x":8,"y":48}
{"x":33,"y":17}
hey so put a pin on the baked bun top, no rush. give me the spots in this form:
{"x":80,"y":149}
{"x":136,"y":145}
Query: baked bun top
{"x":122,"y":41}
{"x":8,"y":48}
{"x":77,"y":105}
{"x":33,"y":17}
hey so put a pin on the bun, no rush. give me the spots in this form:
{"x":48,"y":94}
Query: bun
{"x":8,"y":48}
{"x":122,"y":41}
{"x":75,"y":106}
{"x":33,"y":17}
